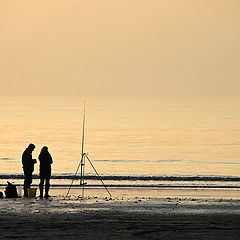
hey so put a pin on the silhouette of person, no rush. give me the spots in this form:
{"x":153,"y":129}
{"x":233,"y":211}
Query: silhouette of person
{"x":45,"y":160}
{"x":28,"y":167}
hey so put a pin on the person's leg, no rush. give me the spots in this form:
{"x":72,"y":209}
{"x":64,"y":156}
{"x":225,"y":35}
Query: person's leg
{"x":41,"y":185}
{"x":27,"y":181}
{"x":47,"y":186}
{"x":25,"y":187}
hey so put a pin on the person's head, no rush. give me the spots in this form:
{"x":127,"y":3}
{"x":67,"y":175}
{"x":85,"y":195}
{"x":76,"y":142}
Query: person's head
{"x":44,"y":149}
{"x":31,"y":147}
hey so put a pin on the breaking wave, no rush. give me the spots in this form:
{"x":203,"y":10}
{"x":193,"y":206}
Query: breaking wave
{"x":133,"y":178}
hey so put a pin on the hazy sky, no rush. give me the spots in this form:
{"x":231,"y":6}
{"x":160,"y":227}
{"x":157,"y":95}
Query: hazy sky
{"x":120,"y":47}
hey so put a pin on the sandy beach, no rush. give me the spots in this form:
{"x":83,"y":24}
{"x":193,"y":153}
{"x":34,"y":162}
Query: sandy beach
{"x":139,"y":97}
{"x":125,"y":217}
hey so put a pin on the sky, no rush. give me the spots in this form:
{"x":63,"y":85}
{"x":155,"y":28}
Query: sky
{"x":120,"y":47}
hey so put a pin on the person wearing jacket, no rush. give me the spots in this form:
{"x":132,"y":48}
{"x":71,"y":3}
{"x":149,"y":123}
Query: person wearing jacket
{"x":45,"y":160}
{"x":28,"y":167}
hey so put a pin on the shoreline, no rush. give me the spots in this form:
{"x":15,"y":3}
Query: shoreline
{"x":146,"y":192}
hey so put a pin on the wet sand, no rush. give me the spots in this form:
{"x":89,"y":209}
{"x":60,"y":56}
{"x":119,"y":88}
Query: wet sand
{"x":120,"y":218}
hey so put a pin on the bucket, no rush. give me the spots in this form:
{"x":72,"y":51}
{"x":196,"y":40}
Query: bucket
{"x":19,"y":188}
{"x":32,"y":192}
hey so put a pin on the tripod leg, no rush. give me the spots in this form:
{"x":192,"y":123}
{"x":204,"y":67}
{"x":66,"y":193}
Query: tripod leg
{"x":98,"y":175}
{"x":73,"y":179}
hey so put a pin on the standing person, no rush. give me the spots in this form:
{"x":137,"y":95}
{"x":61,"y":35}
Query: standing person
{"x":28,"y":167}
{"x":45,"y":160}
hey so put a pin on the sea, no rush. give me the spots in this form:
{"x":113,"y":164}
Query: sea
{"x":152,"y":142}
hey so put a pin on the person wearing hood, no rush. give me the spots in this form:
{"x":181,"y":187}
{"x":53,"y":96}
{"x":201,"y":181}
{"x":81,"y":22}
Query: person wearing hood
{"x":45,"y":160}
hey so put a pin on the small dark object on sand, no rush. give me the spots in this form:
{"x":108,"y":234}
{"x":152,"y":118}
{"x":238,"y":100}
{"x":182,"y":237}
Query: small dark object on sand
{"x":11,"y":191}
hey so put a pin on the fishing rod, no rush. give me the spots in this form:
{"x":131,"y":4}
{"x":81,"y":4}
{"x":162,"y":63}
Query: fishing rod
{"x":82,"y":161}
{"x":82,"y":158}
{"x":82,"y":164}
{"x":82,"y":155}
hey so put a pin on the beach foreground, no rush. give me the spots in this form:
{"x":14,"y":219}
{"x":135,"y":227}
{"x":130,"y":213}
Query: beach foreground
{"x":119,"y":218}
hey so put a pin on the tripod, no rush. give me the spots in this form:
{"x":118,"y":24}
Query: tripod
{"x":82,"y":164}
{"x":82,"y":182}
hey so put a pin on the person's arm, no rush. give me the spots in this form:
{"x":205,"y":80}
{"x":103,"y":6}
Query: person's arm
{"x":50,"y":159}
{"x":27,"y":159}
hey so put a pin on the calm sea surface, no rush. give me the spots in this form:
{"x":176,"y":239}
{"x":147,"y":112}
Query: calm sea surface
{"x":133,"y":137}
